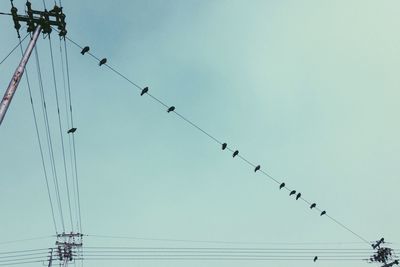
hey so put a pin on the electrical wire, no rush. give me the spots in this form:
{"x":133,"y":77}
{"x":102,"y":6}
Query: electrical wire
{"x":214,"y":259}
{"x":217,"y":241}
{"x":40,"y":144}
{"x":23,"y":251}
{"x":25,"y":239}
{"x":23,"y":255}
{"x":69,"y":136}
{"x":61,"y":134}
{"x":73,"y":135}
{"x":49,"y":141}
{"x":12,"y":50}
{"x":215,"y":139}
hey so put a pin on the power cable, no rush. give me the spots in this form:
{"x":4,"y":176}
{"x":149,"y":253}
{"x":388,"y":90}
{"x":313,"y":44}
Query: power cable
{"x":23,"y":251}
{"x":73,"y":135}
{"x":25,"y":239}
{"x":61,"y":134}
{"x":40,"y":144}
{"x":12,"y":50}
{"x":216,"y":241}
{"x":69,"y":136}
{"x":49,"y":141}
{"x":218,"y":141}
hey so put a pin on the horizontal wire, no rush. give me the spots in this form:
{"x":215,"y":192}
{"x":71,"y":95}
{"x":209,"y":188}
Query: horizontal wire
{"x":23,"y":262}
{"x":21,"y":251}
{"x":218,"y":248}
{"x":229,"y":252}
{"x":24,"y":255}
{"x":31,"y":258}
{"x":226,"y":256}
{"x":218,"y":241}
{"x":26,"y":239}
{"x":218,"y":259}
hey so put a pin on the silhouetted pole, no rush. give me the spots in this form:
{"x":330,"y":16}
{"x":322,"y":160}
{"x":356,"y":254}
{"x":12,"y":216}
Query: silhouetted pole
{"x":12,"y":87}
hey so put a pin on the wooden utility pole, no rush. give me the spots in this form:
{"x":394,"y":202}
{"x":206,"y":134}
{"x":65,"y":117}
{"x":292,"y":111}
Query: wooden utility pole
{"x":12,"y":87}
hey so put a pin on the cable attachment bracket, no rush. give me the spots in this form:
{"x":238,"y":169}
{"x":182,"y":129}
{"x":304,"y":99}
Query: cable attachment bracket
{"x":46,"y":19}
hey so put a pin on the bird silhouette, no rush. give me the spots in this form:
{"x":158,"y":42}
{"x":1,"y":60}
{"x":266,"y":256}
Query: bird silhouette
{"x":323,"y":213}
{"x":292,"y":192}
{"x":170,"y":109}
{"x":224,"y":145}
{"x":103,"y":61}
{"x":72,"y":130}
{"x":282,"y":186}
{"x":85,"y":49}
{"x":145,"y":90}
{"x":235,"y":153}
{"x":298,"y":196}
{"x":257,"y":168}
{"x":313,"y":205}
{"x":315,"y":258}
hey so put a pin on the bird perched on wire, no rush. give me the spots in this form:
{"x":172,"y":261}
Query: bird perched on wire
{"x":72,"y":130}
{"x":170,"y":109}
{"x":85,"y":49}
{"x":145,"y":90}
{"x":257,"y":168}
{"x":224,"y":145}
{"x":281,"y":186}
{"x":235,"y":153}
{"x":292,"y":192}
{"x":298,"y":196}
{"x":313,"y":205}
{"x":103,"y":61}
{"x":323,"y":213}
{"x":315,"y":258}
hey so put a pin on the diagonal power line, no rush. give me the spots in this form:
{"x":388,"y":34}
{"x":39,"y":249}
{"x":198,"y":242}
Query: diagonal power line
{"x":256,"y":167}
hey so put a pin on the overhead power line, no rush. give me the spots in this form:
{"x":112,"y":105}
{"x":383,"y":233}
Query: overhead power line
{"x":61,"y":134}
{"x":14,"y":48}
{"x":25,"y":239}
{"x":49,"y":140}
{"x":39,"y":142}
{"x":257,"y":168}
{"x":218,"y":241}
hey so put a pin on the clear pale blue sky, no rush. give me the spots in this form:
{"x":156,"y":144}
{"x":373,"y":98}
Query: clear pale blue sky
{"x":308,"y":89}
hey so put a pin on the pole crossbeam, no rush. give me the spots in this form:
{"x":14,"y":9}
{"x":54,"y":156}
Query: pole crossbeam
{"x":46,"y":19}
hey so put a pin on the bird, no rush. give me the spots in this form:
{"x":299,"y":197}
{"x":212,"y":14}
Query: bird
{"x":313,"y":205}
{"x":85,"y":49}
{"x":281,"y":186}
{"x":235,"y":153}
{"x":315,"y":258}
{"x":72,"y":130}
{"x":323,"y":213}
{"x":224,"y":145}
{"x":170,"y":109}
{"x":103,"y":61}
{"x":292,"y":192}
{"x":298,"y":196}
{"x":145,"y":90}
{"x":257,"y":168}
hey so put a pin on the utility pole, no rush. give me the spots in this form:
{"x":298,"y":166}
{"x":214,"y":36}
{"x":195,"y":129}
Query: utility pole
{"x":37,"y":22}
{"x":67,"y":246}
{"x":12,"y":87}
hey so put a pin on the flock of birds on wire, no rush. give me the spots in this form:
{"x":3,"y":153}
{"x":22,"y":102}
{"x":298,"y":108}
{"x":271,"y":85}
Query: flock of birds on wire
{"x":224,"y":145}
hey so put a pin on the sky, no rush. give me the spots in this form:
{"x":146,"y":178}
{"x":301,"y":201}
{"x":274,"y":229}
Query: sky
{"x":307,"y":89}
